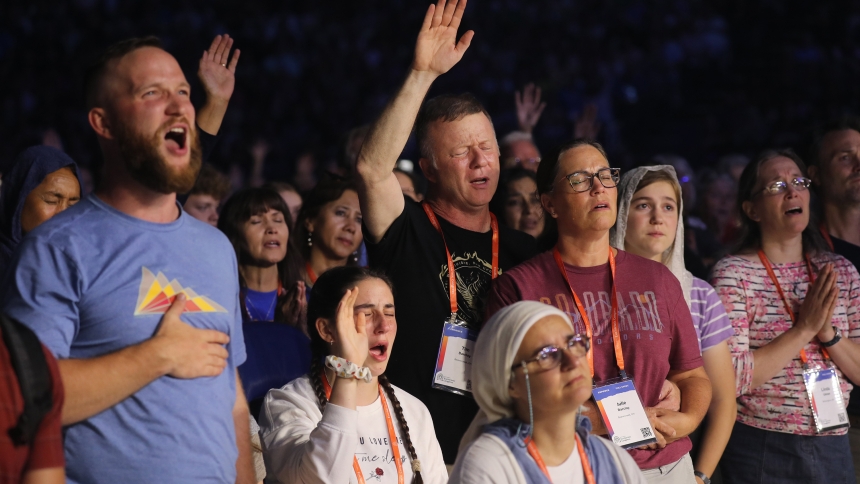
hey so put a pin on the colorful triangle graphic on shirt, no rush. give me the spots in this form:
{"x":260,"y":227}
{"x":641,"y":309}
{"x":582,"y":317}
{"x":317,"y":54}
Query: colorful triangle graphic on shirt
{"x":156,"y":294}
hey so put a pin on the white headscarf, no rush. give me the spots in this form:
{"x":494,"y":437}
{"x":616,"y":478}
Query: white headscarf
{"x":673,"y":257}
{"x":497,"y":345}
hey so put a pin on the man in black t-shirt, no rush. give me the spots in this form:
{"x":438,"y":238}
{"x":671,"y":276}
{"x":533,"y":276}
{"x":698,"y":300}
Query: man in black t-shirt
{"x":460,"y":158}
{"x":834,"y":159}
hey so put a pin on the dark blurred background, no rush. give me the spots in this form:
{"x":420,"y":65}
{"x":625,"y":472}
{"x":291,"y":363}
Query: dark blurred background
{"x":698,"y":78}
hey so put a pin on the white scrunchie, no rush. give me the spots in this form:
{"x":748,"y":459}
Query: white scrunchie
{"x":347,"y":369}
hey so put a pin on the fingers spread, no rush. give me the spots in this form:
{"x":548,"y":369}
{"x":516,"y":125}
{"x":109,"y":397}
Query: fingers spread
{"x":448,"y":14}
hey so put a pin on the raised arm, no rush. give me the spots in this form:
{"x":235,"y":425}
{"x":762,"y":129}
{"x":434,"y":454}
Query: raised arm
{"x":436,"y":51}
{"x":218,"y":77}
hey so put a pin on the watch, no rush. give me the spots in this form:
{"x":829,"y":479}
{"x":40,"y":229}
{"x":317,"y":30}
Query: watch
{"x":703,"y":477}
{"x":837,"y":335}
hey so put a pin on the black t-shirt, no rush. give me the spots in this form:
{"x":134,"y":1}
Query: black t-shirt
{"x":412,"y":254}
{"x":852,"y":253}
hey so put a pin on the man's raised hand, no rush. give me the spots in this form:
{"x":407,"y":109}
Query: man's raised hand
{"x":437,"y":49}
{"x":189,"y":352}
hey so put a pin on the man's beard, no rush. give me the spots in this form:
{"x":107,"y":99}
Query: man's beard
{"x":148,"y":167}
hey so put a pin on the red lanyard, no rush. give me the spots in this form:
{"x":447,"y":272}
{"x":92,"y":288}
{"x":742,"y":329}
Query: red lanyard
{"x":766,"y":262}
{"x":586,"y":467}
{"x":616,"y":332}
{"x":311,"y":274}
{"x":392,"y":437}
{"x":452,"y":275}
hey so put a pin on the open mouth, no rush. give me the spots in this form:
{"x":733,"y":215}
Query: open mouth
{"x":177,"y":138}
{"x":272,"y":244}
{"x":601,"y":206}
{"x":794,"y":211}
{"x":480,"y":181}
{"x":378,"y":351}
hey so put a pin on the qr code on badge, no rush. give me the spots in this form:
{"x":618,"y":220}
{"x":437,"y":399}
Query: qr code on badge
{"x":646,"y":432}
{"x":842,"y":418}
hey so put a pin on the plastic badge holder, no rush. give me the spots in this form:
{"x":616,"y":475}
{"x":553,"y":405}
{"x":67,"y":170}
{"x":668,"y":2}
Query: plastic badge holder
{"x":454,"y":363}
{"x":825,"y":397}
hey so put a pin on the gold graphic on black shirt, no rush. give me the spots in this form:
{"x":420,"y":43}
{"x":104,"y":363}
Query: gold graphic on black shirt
{"x":473,"y":285}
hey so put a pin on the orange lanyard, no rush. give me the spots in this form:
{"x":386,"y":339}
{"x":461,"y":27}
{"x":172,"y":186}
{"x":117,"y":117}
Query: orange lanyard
{"x":766,"y":262}
{"x":392,"y":437}
{"x":586,"y":467}
{"x":616,"y":332}
{"x":823,"y":229}
{"x":311,"y":274}
{"x":452,"y":276}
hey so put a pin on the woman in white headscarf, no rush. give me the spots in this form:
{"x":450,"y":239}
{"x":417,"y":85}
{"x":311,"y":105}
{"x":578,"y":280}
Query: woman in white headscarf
{"x":649,"y":225}
{"x":529,"y":377}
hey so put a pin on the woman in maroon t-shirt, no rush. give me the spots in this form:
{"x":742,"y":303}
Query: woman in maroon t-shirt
{"x":658,"y":340}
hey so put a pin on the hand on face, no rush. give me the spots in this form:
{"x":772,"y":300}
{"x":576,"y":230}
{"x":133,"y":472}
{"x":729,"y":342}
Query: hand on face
{"x":560,"y":389}
{"x":781,"y":214}
{"x":337,"y":228}
{"x":57,"y":192}
{"x":366,"y":326}
{"x":592,"y":210}
{"x":266,"y":236}
{"x":652,"y":221}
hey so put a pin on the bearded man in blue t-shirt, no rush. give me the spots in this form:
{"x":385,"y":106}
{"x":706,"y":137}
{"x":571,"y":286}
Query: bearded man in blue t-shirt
{"x":138,"y":300}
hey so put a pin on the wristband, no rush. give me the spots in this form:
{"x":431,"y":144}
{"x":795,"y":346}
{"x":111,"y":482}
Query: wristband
{"x":702,"y":476}
{"x":347,"y":369}
{"x":837,"y":335}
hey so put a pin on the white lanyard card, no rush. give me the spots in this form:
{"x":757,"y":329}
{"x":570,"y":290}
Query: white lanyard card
{"x":623,"y":413}
{"x":454,"y":364}
{"x":825,"y":397}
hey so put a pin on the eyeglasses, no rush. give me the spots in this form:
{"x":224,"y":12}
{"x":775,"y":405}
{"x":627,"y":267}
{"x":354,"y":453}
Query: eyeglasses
{"x":800,"y":183}
{"x":582,"y":181}
{"x":549,"y":357}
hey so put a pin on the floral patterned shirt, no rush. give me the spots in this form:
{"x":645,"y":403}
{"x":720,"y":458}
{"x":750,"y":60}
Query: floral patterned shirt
{"x":758,"y":316}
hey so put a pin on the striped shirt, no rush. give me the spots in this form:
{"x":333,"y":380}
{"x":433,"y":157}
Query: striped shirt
{"x":758,"y":316}
{"x":709,"y":315}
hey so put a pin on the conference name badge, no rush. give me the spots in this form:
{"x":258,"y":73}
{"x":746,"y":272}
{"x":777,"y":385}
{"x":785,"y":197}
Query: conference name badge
{"x":453,"y":371}
{"x":623,"y":413}
{"x":825,"y":397}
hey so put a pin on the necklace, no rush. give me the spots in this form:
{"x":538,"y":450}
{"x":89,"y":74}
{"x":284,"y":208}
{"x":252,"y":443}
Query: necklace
{"x":260,"y":316}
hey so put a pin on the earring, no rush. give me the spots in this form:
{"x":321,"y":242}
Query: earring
{"x":310,"y":239}
{"x":355,"y":256}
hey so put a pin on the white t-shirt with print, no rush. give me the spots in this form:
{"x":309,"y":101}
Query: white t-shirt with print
{"x":303,"y":445}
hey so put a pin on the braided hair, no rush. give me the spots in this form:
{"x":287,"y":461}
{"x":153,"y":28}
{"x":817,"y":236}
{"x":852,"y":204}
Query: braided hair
{"x":325,"y":297}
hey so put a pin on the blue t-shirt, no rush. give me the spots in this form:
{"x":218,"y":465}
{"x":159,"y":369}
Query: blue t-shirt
{"x":92,"y":281}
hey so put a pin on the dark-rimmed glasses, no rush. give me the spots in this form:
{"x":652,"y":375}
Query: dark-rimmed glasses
{"x":549,"y":357}
{"x":582,"y":181}
{"x":800,"y":184}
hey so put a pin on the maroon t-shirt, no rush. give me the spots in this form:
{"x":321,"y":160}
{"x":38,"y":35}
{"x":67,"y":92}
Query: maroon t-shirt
{"x":46,"y":450}
{"x":657,"y":333}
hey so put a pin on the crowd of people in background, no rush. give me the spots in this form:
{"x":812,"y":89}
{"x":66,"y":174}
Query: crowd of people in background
{"x":183,"y":319}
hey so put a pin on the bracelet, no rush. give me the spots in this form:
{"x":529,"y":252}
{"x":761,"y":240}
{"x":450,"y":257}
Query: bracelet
{"x":702,"y":476}
{"x":837,"y":335}
{"x":348,"y":369}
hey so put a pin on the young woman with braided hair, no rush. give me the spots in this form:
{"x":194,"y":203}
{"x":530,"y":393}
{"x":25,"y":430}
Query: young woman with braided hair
{"x":344,"y":422}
